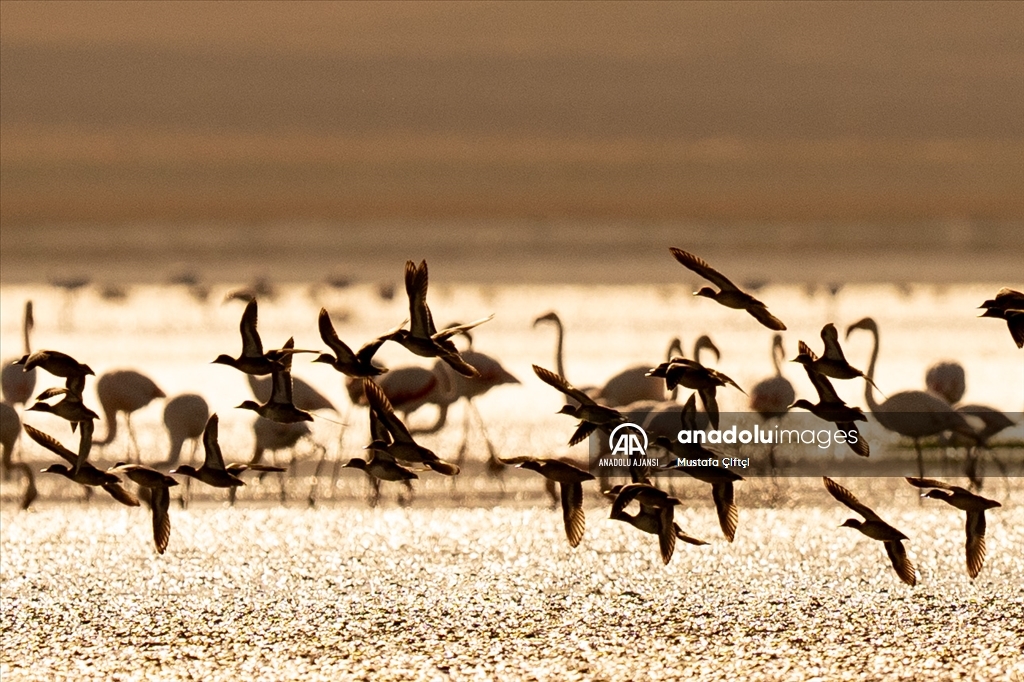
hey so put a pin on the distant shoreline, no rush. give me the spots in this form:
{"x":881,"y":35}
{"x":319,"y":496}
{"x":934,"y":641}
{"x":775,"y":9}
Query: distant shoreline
{"x":520,"y":252}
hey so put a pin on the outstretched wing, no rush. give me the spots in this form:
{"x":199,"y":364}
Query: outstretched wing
{"x":666,"y":532}
{"x":573,"y":516}
{"x":901,"y":562}
{"x":281,"y":391}
{"x":850,"y":500}
{"x":458,"y":329}
{"x":214,"y":458}
{"x":252,"y":347}
{"x":928,"y":483}
{"x":51,"y":444}
{"x":416,"y":281}
{"x":700,"y":266}
{"x":833,"y":351}
{"x":330,"y":337}
{"x":975,"y":542}
{"x":160,"y":504}
{"x":826,"y":392}
{"x":760,"y":313}
{"x":380,"y":404}
{"x":559,"y":383}
{"x":725,"y":504}
{"x":119,"y":493}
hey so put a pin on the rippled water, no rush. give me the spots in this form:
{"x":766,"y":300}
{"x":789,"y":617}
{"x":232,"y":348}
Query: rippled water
{"x":270,"y":592}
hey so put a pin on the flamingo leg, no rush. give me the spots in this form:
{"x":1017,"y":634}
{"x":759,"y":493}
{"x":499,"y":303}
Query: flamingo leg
{"x":314,"y":487}
{"x":131,"y":437}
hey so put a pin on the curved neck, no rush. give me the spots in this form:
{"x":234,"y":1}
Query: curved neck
{"x":778,"y":354}
{"x":442,"y":419}
{"x":27,"y":327}
{"x":674,"y":349}
{"x":869,"y":393}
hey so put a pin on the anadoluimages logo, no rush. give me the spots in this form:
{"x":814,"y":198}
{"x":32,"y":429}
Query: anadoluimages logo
{"x":628,"y":440}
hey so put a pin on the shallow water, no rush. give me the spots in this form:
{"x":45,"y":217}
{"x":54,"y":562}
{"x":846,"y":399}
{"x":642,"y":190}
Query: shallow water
{"x":478,"y":582}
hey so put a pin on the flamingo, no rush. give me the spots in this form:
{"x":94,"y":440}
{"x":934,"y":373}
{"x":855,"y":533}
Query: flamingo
{"x":772,"y":397}
{"x":124,"y":391}
{"x":17,"y":384}
{"x":10,"y":429}
{"x":946,"y":380}
{"x":553,"y":318}
{"x":914,"y":414}
{"x":185,"y":418}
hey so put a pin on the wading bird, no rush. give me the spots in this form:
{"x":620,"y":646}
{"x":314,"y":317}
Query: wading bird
{"x":16,"y":382}
{"x":125,"y":391}
{"x":185,"y":419}
{"x":729,"y":295}
{"x":875,"y":528}
{"x":10,"y":429}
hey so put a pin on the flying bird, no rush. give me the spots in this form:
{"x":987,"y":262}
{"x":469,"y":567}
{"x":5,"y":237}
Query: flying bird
{"x":422,"y":338}
{"x":280,"y":407}
{"x":159,"y":500}
{"x":213,"y":472}
{"x":832,"y":408}
{"x":253,"y":360}
{"x":689,"y":373}
{"x":833,"y":363}
{"x":974,"y":505}
{"x":356,"y":365}
{"x":569,"y":478}
{"x":729,"y":295}
{"x":875,"y":528}
{"x":402,"y":446}
{"x":591,"y":415}
{"x":86,"y":473}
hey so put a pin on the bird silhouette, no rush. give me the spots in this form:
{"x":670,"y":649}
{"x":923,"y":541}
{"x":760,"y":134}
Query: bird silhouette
{"x":18,"y":383}
{"x":729,"y":295}
{"x":126,"y":391}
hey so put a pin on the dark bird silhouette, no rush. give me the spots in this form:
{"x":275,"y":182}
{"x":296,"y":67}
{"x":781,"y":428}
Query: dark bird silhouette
{"x":72,"y":409}
{"x":591,"y":415}
{"x":875,"y":528}
{"x":159,"y":499}
{"x":946,"y":380}
{"x":86,"y":475}
{"x":253,"y":360}
{"x":379,"y":468}
{"x":304,"y":396}
{"x":357,"y":365}
{"x":693,"y":375}
{"x":213,"y":472}
{"x":1008,"y":305}
{"x":831,"y":408}
{"x":656,"y":520}
{"x":280,"y":407}
{"x":974,"y":505}
{"x":720,"y":479}
{"x":729,"y":295}
{"x":422,"y":338}
{"x":772,"y":397}
{"x":569,"y":478}
{"x":402,"y":446}
{"x":56,"y":363}
{"x":833,"y":363}
{"x":17,"y":383}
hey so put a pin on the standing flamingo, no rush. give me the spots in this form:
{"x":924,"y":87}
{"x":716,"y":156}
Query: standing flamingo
{"x":124,"y":391}
{"x":18,"y":385}
{"x":185,"y":418}
{"x":914,"y":414}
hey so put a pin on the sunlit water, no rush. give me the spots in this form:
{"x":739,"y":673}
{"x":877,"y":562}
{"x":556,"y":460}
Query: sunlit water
{"x":265,"y":591}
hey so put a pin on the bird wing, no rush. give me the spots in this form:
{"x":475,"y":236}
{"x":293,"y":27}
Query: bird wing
{"x":700,"y":266}
{"x":584,"y":429}
{"x":559,"y":383}
{"x":370,"y":348}
{"x":572,"y":512}
{"x":281,"y":381}
{"x":378,"y":430}
{"x":252,"y":347}
{"x":118,"y":492}
{"x":459,"y":364}
{"x":416,"y":281}
{"x":928,"y":483}
{"x":975,"y":542}
{"x":850,"y":500}
{"x":520,"y":459}
{"x":625,"y":495}
{"x":380,"y":404}
{"x":686,"y":538}
{"x":804,"y":349}
{"x":759,"y":312}
{"x":728,"y":514}
{"x":449,"y":332}
{"x":833,"y":351}
{"x":724,"y":379}
{"x":861,"y":447}
{"x":160,"y":503}
{"x":826,"y":392}
{"x":901,"y":562}
{"x":52,"y":392}
{"x":688,"y":416}
{"x":214,"y":457}
{"x":330,"y":337}
{"x":707,"y":396}
{"x":51,"y":444}
{"x":666,"y":532}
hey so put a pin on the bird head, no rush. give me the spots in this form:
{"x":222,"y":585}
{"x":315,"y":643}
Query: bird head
{"x":56,"y":469}
{"x":570,"y":410}
{"x":224,"y":360}
{"x":851,"y":523}
{"x":184,"y":470}
{"x":249,"y":405}
{"x":866,"y":323}
{"x":706,"y":292}
{"x":325,"y":358}
{"x":356,"y":463}
{"x":547,"y":317}
{"x":802,"y":404}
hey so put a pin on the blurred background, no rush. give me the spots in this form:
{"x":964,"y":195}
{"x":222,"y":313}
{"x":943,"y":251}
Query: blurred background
{"x":539,"y":142}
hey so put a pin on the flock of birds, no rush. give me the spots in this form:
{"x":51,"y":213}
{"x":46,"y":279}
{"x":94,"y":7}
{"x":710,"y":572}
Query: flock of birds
{"x":393,"y":453}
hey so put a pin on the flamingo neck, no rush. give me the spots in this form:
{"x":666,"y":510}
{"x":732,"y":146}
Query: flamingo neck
{"x":869,"y":393}
{"x":559,"y":340}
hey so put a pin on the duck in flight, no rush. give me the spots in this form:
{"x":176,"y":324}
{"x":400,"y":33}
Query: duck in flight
{"x":402,"y":446}
{"x":422,"y":338}
{"x":252,"y":359}
{"x":591,"y":415}
{"x":691,"y":374}
{"x":833,"y":363}
{"x":86,"y":473}
{"x":279,"y":407}
{"x":159,"y":499}
{"x":569,"y":478}
{"x":875,"y":528}
{"x":213,"y":472}
{"x":832,"y":408}
{"x":729,"y":294}
{"x":56,"y":363}
{"x":974,"y":505}
{"x":1008,"y":305}
{"x":656,"y":515}
{"x":357,"y":365}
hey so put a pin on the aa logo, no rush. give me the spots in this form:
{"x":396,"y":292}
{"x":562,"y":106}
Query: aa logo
{"x":628,"y":440}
